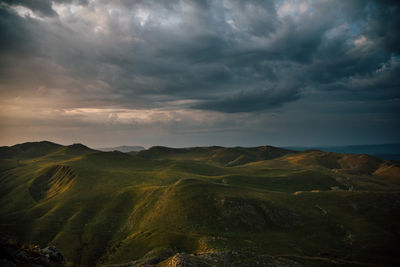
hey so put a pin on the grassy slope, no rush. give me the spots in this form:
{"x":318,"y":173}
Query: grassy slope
{"x":111,"y":207}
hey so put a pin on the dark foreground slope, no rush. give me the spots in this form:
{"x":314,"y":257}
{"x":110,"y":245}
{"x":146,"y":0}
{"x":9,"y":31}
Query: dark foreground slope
{"x":209,"y":206}
{"x":15,"y":254}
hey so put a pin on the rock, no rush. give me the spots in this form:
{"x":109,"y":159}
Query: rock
{"x":185,"y":260}
{"x":52,"y":254}
{"x":16,"y":254}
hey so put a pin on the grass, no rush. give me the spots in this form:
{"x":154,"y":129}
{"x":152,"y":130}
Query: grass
{"x":110,"y":207}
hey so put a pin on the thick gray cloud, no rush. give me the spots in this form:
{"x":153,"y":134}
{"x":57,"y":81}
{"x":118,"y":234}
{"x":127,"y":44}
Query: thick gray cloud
{"x":229,"y":57}
{"x":254,"y":100}
{"x":42,"y":7}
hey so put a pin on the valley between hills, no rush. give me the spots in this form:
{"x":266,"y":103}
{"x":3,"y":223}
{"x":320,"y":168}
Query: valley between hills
{"x":202,"y":206}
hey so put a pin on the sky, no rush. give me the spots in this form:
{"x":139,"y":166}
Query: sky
{"x":194,"y":73}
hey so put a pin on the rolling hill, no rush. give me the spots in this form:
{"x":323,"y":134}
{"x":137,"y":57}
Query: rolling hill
{"x":383,"y":151}
{"x":210,"y":206}
{"x":124,"y":149}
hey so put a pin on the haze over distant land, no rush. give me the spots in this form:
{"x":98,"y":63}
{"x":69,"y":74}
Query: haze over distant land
{"x":123,"y":148}
{"x":199,"y":73}
{"x":383,"y":151}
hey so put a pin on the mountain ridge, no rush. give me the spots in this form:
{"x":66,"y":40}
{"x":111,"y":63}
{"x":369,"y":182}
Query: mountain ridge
{"x":383,"y":151}
{"x":203,"y":204}
{"x":124,"y":149}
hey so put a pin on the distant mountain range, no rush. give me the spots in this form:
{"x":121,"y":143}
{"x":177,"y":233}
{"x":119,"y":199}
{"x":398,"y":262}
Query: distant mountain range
{"x":383,"y":151}
{"x":124,"y":149}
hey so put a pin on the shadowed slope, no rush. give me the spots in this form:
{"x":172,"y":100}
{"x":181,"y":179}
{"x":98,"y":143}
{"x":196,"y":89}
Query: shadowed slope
{"x":28,"y":150}
{"x":217,"y":155}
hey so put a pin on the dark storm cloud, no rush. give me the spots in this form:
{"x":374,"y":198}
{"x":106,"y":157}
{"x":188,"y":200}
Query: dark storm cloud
{"x":15,"y":33}
{"x":227,"y":56}
{"x":254,"y":100}
{"x":43,"y":7}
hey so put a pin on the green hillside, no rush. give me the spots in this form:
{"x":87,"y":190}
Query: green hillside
{"x":210,"y":206}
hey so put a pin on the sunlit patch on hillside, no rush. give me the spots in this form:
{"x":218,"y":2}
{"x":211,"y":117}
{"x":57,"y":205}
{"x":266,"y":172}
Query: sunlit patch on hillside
{"x":51,"y":182}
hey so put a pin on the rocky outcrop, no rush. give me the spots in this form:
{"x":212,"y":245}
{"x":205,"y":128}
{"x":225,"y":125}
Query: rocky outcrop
{"x":243,"y":258}
{"x":13,"y":254}
{"x":216,"y":258}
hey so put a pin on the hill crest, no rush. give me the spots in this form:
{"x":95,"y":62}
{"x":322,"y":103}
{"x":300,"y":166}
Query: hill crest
{"x":111,"y":207}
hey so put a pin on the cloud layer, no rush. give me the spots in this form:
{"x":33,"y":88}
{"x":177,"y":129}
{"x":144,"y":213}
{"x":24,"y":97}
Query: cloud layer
{"x":230,"y":60}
